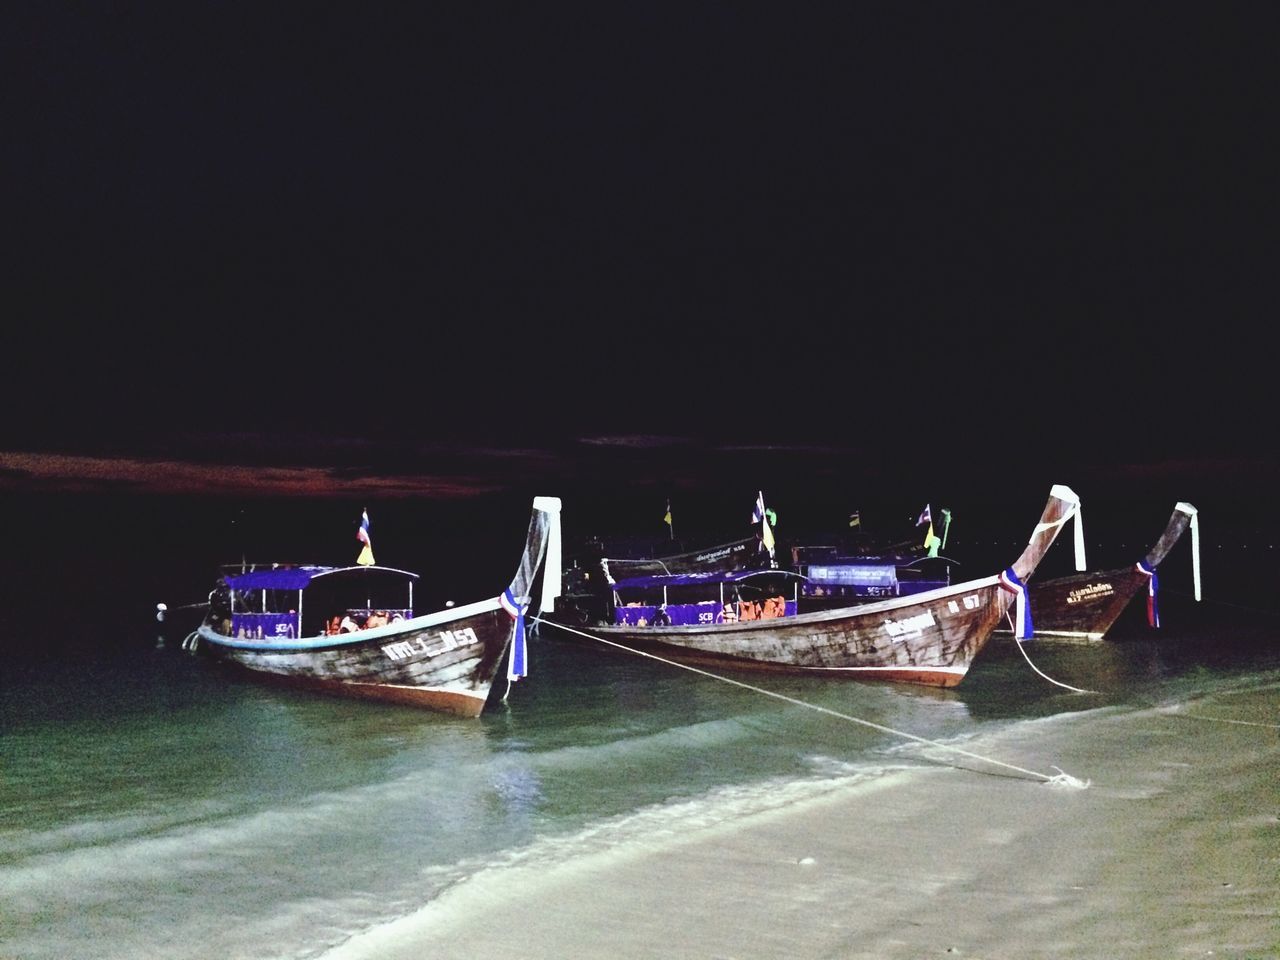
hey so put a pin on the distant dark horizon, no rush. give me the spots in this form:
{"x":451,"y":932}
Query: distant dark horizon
{"x":625,"y":254}
{"x":615,"y":470}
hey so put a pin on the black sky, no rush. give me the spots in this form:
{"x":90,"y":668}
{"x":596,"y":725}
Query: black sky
{"x":920,"y":233}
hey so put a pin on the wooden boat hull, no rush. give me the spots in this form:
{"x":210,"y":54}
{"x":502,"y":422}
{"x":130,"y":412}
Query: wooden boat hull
{"x":444,"y":661}
{"x":930,"y":638}
{"x":1085,"y":606}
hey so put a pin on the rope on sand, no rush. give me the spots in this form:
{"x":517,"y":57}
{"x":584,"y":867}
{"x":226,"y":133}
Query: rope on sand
{"x":1224,"y":720}
{"x":1060,"y":779}
{"x":1244,"y":723}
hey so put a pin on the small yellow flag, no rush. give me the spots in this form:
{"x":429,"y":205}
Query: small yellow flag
{"x":766,"y":535}
{"x":366,"y":554}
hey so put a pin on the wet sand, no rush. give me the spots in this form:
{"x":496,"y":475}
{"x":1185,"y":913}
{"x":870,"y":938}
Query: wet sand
{"x":1172,"y":851}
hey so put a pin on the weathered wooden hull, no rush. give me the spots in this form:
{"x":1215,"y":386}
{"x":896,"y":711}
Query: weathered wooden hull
{"x":929,"y":638}
{"x":445,"y":661}
{"x":1085,"y":606}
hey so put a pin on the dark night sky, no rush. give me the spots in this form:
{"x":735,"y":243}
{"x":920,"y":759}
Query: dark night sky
{"x":485,"y":242}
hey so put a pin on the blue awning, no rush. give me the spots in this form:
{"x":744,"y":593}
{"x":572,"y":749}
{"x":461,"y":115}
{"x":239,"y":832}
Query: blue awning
{"x":289,"y":578}
{"x":297,"y":578}
{"x":691,"y":579}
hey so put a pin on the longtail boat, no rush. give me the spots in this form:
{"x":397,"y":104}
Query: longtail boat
{"x":353,"y":630}
{"x":588,"y":578}
{"x":1085,"y":606}
{"x":588,"y":588}
{"x":744,"y":554}
{"x":835,"y":580}
{"x":927,"y":638}
{"x":851,"y":567}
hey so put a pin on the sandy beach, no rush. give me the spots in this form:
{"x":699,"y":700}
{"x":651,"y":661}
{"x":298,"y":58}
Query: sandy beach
{"x":1173,"y":850}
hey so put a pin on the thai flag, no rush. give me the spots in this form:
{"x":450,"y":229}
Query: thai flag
{"x":363,"y":533}
{"x":758,"y":513}
{"x":925,"y":517}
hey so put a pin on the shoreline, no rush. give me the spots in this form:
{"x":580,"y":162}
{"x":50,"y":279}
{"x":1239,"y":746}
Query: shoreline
{"x":1172,"y":851}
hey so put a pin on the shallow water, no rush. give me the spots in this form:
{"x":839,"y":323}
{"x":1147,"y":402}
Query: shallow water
{"x":153,"y":805}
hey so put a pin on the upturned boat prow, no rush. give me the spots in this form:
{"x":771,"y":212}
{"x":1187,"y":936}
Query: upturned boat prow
{"x":1085,"y":606}
{"x":928,"y":638}
{"x":446,"y":660}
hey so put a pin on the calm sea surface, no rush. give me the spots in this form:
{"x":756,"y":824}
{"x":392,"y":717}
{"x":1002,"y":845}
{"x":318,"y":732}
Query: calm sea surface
{"x":153,"y":805}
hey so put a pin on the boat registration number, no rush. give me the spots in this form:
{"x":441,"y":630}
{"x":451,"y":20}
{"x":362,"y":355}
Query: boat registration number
{"x":445,"y":641}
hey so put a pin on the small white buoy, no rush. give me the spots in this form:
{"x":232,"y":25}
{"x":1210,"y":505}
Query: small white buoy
{"x":160,"y":609}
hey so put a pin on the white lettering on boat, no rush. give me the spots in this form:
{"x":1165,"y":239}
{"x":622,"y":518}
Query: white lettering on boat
{"x":419,"y":646}
{"x":721,"y":553}
{"x":911,"y":626}
{"x":401,"y":649}
{"x":1092,"y":592}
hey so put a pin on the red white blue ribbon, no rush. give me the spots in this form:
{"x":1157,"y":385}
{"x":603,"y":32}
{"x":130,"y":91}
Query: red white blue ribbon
{"x":1022,"y":610}
{"x":517,"y":665}
{"x":1153,"y":588}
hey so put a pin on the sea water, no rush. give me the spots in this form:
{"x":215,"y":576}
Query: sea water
{"x":154,"y":805}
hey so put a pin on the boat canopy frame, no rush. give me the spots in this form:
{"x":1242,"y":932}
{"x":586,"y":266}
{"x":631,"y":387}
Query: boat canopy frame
{"x":298,"y":578}
{"x":717,"y":580}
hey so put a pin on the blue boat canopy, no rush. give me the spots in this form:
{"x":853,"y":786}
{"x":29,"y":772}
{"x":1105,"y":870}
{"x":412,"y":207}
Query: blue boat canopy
{"x":288,"y":578}
{"x":689,"y":579}
{"x":297,"y":578}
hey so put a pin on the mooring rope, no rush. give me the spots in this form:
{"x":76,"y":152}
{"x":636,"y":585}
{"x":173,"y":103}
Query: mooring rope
{"x":1060,"y":779}
{"x":1059,"y":683}
{"x":1022,"y":650}
{"x":1223,"y":603}
{"x":1246,"y":723}
{"x":1176,"y":712}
